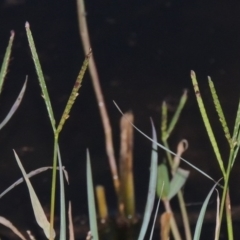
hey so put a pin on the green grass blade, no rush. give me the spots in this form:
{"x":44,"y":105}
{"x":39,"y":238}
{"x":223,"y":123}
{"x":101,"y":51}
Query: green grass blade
{"x":91,"y":201}
{"x":6,"y":59}
{"x":163,"y":184}
{"x":177,"y":113}
{"x":151,"y":187}
{"x":15,"y":106}
{"x":74,"y":93}
{"x":236,"y":126}
{"x":207,"y":123}
{"x":62,"y":200}
{"x":236,"y":134}
{"x":177,"y":182}
{"x":164,"y":118}
{"x":166,"y":149}
{"x":37,"y":208}
{"x":198,"y":228}
{"x":40,"y":76}
{"x":220,"y":112}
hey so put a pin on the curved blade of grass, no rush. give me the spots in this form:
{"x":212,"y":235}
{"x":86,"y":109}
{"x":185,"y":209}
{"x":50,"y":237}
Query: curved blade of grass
{"x":40,"y":76}
{"x":62,"y":200}
{"x":15,"y":106}
{"x":177,"y":113}
{"x":220,"y":112}
{"x":29,"y":175}
{"x":74,"y":93}
{"x":177,"y":182}
{"x":6,"y":59}
{"x":236,"y":133}
{"x":9,"y":225}
{"x":151,"y":187}
{"x":163,"y":185}
{"x":166,"y":149}
{"x":207,"y":123}
{"x":198,"y":228}
{"x":91,"y":201}
{"x":36,"y":205}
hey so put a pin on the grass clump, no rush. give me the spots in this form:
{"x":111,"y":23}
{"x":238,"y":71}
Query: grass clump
{"x":166,"y":180}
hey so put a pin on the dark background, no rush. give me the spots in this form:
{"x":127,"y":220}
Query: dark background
{"x":144,"y":51}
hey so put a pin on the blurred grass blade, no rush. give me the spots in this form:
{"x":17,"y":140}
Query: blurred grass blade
{"x":9,"y":225}
{"x":40,"y":76}
{"x":217,"y":228}
{"x":163,"y":185}
{"x":151,"y":187}
{"x":74,"y":93}
{"x":6,"y":59}
{"x":62,"y":200}
{"x":91,"y":201}
{"x":177,"y":113}
{"x":15,"y":106}
{"x":207,"y":123}
{"x":155,"y":217}
{"x":70,"y":220}
{"x":198,"y":228}
{"x":29,"y":175}
{"x":220,"y":112}
{"x":164,"y":118}
{"x":166,"y":149}
{"x":177,"y":182}
{"x":37,"y":208}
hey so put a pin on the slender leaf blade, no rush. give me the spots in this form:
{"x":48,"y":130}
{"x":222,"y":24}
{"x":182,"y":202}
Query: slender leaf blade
{"x":6,"y":59}
{"x":91,"y":201}
{"x":198,"y":228}
{"x":15,"y":105}
{"x":37,"y":208}
{"x":151,"y":187}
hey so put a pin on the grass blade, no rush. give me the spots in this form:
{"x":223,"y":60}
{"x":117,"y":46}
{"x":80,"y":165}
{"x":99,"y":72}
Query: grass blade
{"x":74,"y":93}
{"x":62,"y":200}
{"x":220,"y":112}
{"x":9,"y":225}
{"x":40,"y":76}
{"x":177,"y":182}
{"x":207,"y":123}
{"x":37,"y":208}
{"x":166,"y":149}
{"x":91,"y":201}
{"x":6,"y":59}
{"x":151,"y":187}
{"x":15,"y":106}
{"x":198,"y":228}
{"x":177,"y":113}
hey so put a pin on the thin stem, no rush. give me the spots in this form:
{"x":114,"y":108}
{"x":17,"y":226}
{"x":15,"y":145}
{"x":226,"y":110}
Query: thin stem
{"x":225,"y":190}
{"x":99,"y":95}
{"x":53,"y":190}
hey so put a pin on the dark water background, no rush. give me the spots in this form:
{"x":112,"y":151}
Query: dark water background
{"x":144,"y":52}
